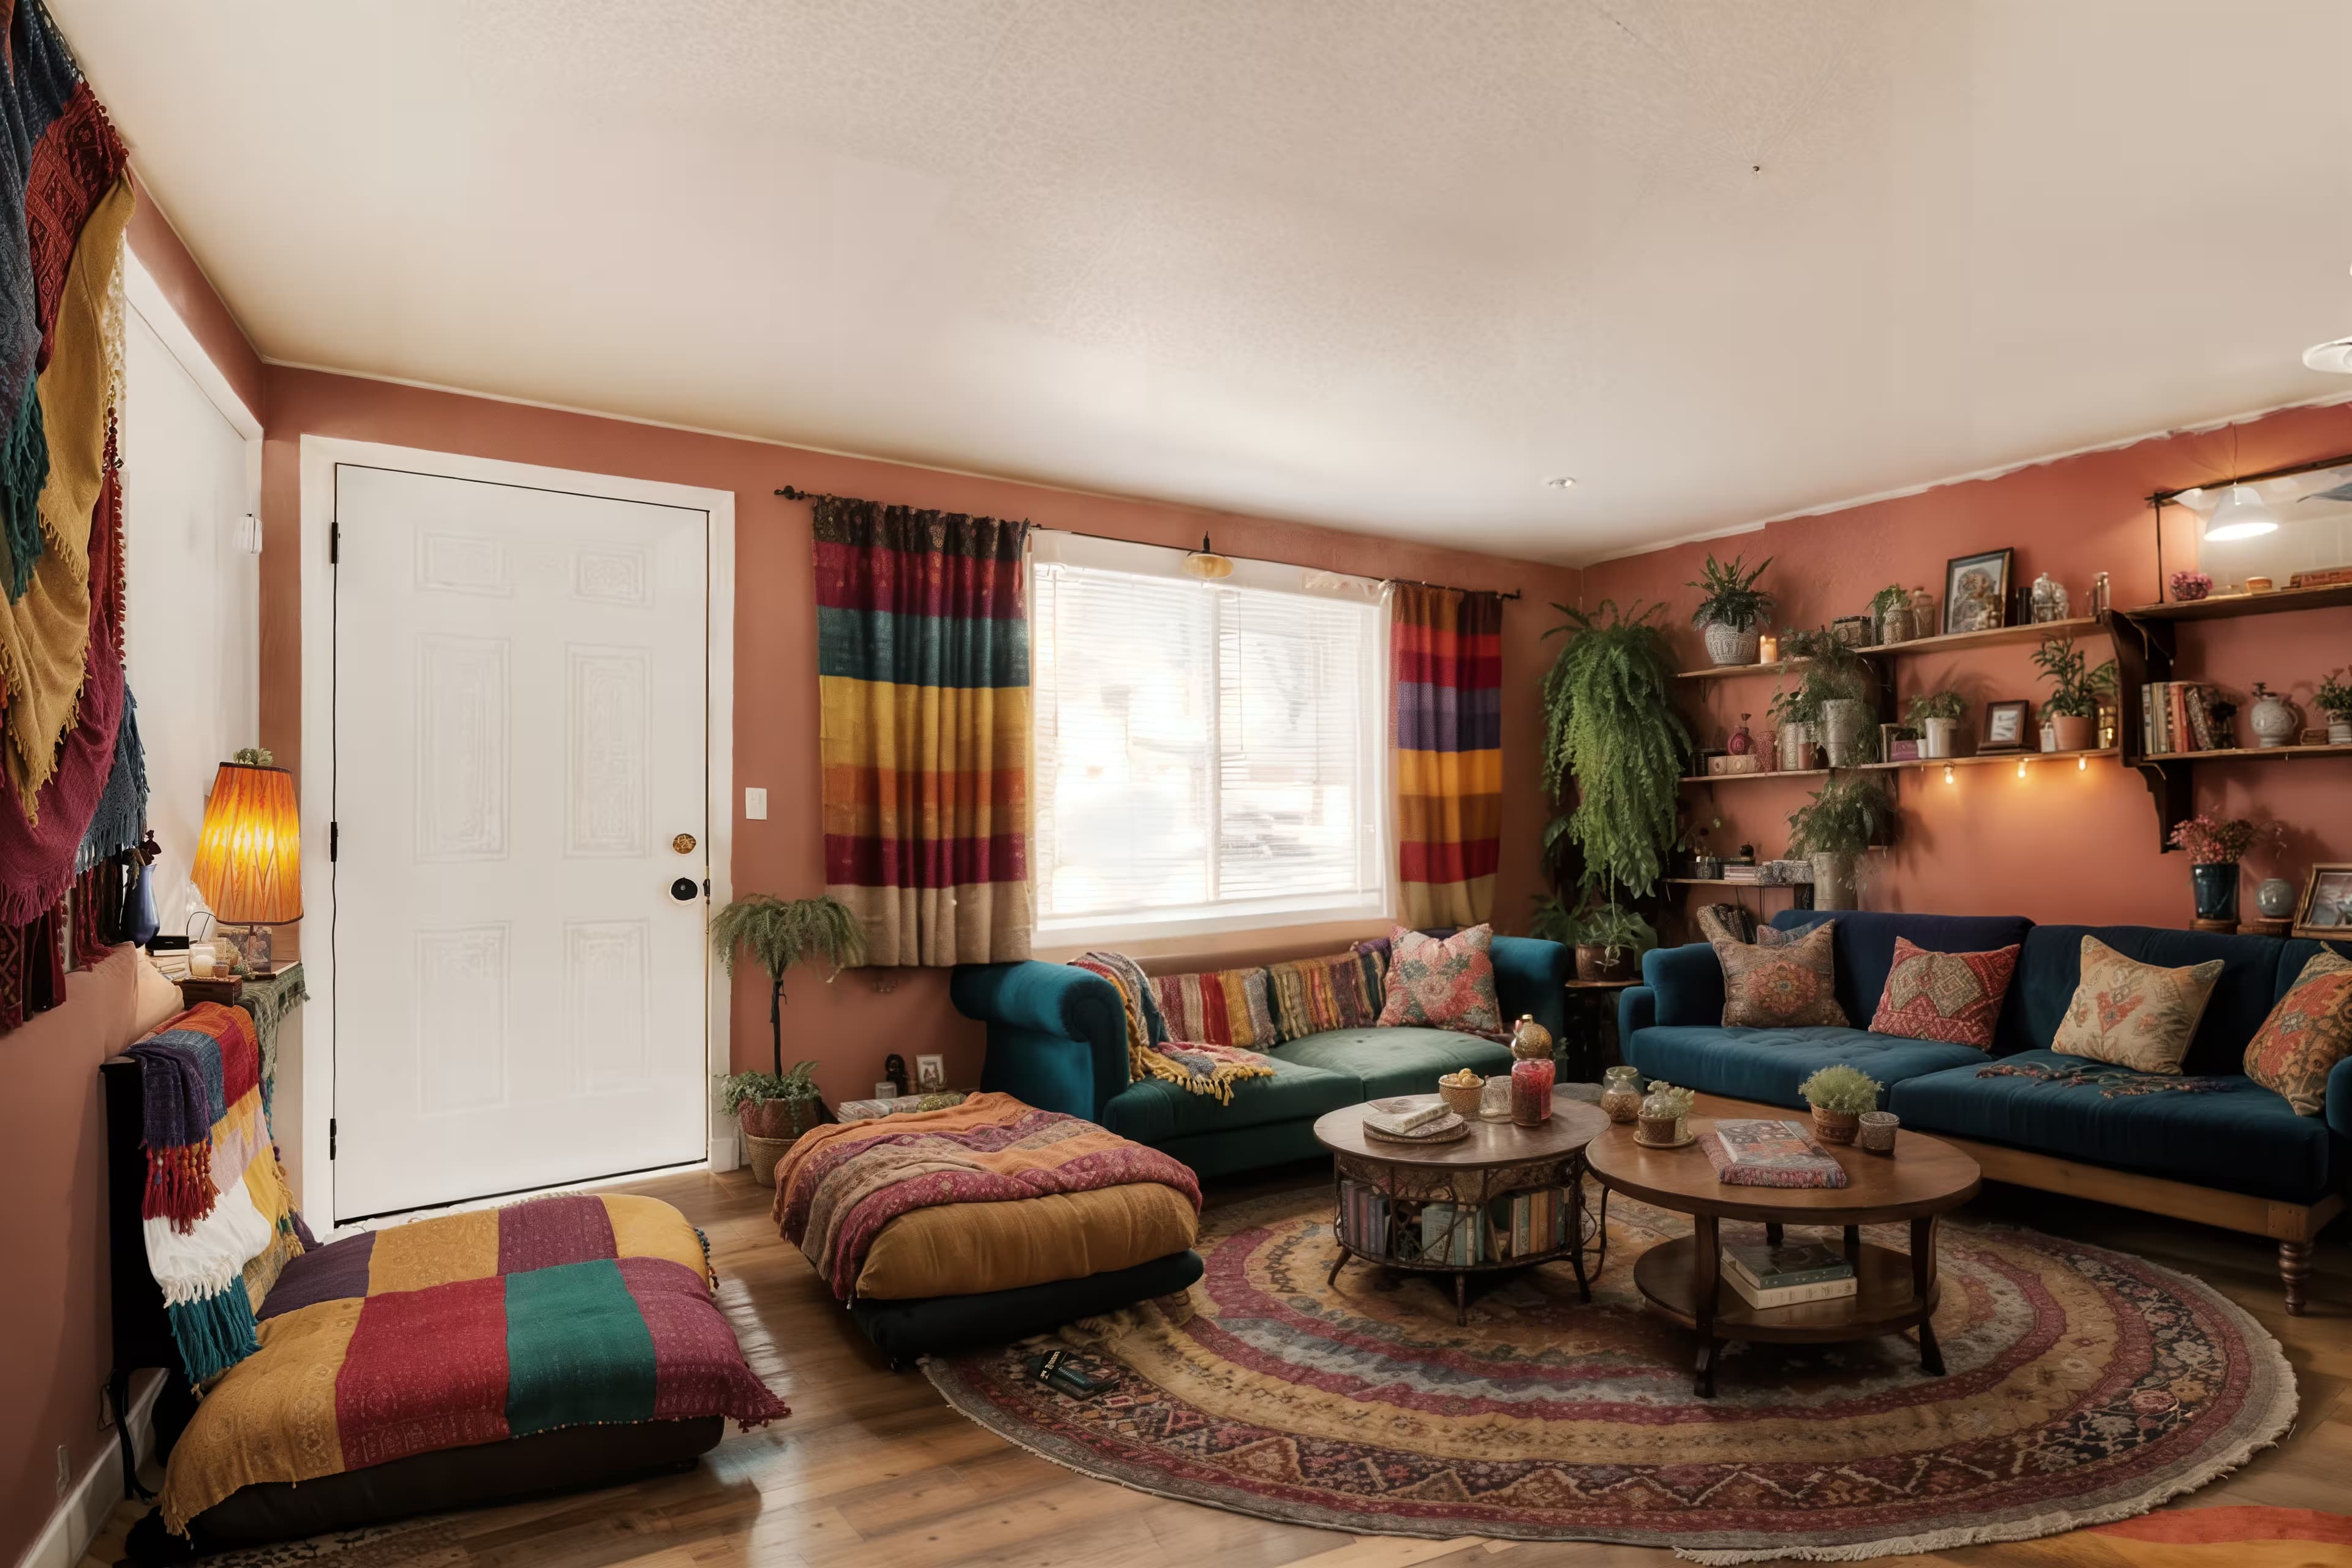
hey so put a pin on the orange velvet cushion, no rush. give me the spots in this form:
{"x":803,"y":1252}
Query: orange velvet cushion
{"x":2306,"y":1036}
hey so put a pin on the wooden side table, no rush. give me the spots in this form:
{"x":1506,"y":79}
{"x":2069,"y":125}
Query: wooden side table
{"x":1590,"y":1003}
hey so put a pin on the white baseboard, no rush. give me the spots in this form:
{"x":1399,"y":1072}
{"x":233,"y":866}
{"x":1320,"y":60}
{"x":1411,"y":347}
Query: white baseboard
{"x":85,"y":1510}
{"x":726,"y":1152}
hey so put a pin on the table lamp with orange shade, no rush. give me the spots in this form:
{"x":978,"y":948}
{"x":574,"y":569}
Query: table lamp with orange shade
{"x":248,"y":863}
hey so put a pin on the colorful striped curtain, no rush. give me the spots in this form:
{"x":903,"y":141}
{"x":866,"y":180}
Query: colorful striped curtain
{"x":1447,"y":650}
{"x":923,"y":666}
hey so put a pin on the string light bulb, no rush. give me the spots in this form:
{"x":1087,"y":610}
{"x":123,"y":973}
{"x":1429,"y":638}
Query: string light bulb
{"x":2020,"y":767}
{"x":1947,"y":774}
{"x":2082,"y":764}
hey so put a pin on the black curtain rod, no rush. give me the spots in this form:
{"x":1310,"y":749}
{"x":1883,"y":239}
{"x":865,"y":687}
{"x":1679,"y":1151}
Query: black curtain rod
{"x":2162,"y":498}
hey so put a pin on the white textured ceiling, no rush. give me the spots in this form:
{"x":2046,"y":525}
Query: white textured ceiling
{"x":1385,"y":266}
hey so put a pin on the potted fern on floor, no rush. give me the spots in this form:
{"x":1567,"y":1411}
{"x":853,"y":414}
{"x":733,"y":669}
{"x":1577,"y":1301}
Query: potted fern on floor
{"x":774,"y":1108}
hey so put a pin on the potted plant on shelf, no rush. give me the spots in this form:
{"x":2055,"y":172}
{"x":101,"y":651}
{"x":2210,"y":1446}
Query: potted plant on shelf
{"x":1731,"y":608}
{"x":2215,"y":848}
{"x":1609,"y":940}
{"x":1616,"y":745}
{"x":1828,"y":705}
{"x":2333,"y":698}
{"x":778,"y":933}
{"x":1890,"y":608}
{"x":2073,"y":709}
{"x":1839,"y":1096}
{"x":773,"y":1110}
{"x":1937,"y":716}
{"x":1847,"y":816}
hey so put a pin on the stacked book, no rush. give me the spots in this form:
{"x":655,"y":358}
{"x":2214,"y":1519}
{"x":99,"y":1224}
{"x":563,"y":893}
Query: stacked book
{"x":1404,"y":1118}
{"x":1364,"y":1212}
{"x":1734,"y":871}
{"x":1788,"y":1275}
{"x":1452,"y":1234}
{"x":1524,"y":1224}
{"x":2177,"y":716}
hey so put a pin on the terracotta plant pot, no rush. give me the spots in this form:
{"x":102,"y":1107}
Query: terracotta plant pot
{"x":1835,"y":1126}
{"x":785,"y":1119}
{"x":1594,"y":961}
{"x":2076,"y":734}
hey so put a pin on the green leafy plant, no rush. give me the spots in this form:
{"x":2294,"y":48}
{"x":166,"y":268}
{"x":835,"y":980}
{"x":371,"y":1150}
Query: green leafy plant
{"x":739,"y":1090}
{"x":1612,"y":732}
{"x":2334,"y":697}
{"x":2078,"y":687}
{"x":1894,"y":596}
{"x":1730,"y":595}
{"x":1846,"y":816}
{"x":780,"y":932}
{"x":1843,"y":1089}
{"x":1946,"y":704}
{"x":1835,"y":670}
{"x":1672,"y":1100}
{"x":1614,"y":927}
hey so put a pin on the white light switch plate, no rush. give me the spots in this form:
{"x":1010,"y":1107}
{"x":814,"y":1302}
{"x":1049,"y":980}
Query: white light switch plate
{"x":755,"y":804}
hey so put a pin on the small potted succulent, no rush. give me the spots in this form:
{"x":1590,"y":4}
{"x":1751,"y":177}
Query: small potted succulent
{"x":1664,"y":1122}
{"x":1610,"y":941}
{"x":2333,"y":698}
{"x":1847,"y":816}
{"x":1890,"y":609}
{"x":1731,"y":608}
{"x":2073,"y":709}
{"x":1937,"y":716}
{"x":1839,"y":1095}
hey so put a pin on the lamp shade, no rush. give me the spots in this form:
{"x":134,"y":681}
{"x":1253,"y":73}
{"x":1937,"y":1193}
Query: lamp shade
{"x":249,"y":858}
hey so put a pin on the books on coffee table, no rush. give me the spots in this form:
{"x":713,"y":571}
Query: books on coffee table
{"x":1758,"y":1153}
{"x":1403,"y":1117}
{"x":1789,"y":1273}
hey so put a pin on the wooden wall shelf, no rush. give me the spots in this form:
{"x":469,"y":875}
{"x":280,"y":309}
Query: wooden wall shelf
{"x":2229,"y":606}
{"x":1987,"y":759}
{"x":1953,"y":642}
{"x":1751,"y":778}
{"x":2249,"y":754}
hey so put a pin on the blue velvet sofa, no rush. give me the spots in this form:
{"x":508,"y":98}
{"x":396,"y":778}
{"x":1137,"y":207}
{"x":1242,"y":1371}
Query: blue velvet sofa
{"x":2239,"y":1158}
{"x":1056,"y":1038}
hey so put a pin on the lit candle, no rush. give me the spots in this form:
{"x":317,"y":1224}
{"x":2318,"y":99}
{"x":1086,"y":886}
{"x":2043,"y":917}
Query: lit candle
{"x":1768,"y":648}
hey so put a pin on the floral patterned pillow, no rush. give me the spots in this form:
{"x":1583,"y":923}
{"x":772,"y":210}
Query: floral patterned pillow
{"x":1443,"y":984}
{"x":2306,"y":1036}
{"x":2134,"y":1014}
{"x":1781,"y":987}
{"x":1954,"y":997}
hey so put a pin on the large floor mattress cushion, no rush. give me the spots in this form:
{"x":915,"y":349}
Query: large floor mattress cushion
{"x":2239,"y":1136}
{"x":1154,"y":1112}
{"x":1767,"y":1065}
{"x":948,"y":1324}
{"x":468,"y":1331}
{"x":969,"y":1250}
{"x":1386,"y":1061}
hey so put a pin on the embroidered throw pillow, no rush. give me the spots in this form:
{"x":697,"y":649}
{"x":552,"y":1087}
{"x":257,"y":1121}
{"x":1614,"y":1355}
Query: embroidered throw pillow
{"x":2134,"y":1014}
{"x":1218,"y":1007}
{"x":1443,"y":984}
{"x":1343,"y":990}
{"x":1783,"y":986}
{"x":1954,"y":997}
{"x":2306,"y":1036}
{"x":1727,"y":922}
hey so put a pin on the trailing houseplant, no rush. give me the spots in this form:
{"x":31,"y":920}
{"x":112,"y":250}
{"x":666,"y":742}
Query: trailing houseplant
{"x":1839,"y":1096}
{"x":1847,"y":816}
{"x":778,"y":933}
{"x":1731,"y":608}
{"x":1829,"y":703}
{"x":1613,"y":739}
{"x":2333,"y":698}
{"x":2073,"y":707}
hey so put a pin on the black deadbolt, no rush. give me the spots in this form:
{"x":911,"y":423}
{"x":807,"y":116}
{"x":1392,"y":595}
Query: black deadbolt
{"x":683,"y":888}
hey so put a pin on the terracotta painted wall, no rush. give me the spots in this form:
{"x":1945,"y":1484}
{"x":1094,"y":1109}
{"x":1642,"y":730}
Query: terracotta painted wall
{"x":847,"y":1027}
{"x":2060,"y":844}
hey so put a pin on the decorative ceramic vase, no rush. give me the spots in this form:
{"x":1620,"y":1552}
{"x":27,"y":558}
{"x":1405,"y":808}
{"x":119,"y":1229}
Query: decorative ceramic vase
{"x":1834,"y":882}
{"x":2215,"y":887}
{"x":2340,"y":731}
{"x":1741,"y":741}
{"x":1494,"y":1099}
{"x":1843,"y":723}
{"x":2274,"y":899}
{"x":1531,"y":1082}
{"x":1621,"y":1093}
{"x":2273,"y":721}
{"x":1895,"y":626}
{"x":1530,"y":1041}
{"x":2076,"y":734}
{"x":2050,"y":602}
{"x":1796,"y":747}
{"x":1875,"y":1134}
{"x":1727,"y":645}
{"x":1937,"y":737}
{"x":1923,"y":613}
{"x":1835,"y":1126}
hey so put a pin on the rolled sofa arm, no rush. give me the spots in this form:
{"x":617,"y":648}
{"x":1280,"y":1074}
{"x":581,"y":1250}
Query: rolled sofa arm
{"x":1637,"y":1009}
{"x":1057,"y":1035}
{"x":2339,"y":1099}
{"x":1687,"y":982}
{"x":1531,"y":976}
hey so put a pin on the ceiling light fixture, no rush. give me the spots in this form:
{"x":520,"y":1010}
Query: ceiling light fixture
{"x":2240,"y":516}
{"x":2332,"y":356}
{"x":1206,"y":563}
{"x":1562,"y":481}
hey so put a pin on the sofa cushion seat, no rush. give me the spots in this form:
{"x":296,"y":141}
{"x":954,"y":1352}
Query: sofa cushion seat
{"x":1767,"y":1065}
{"x":1395,"y":1060}
{"x":1153,"y":1111}
{"x":2240,"y":1138}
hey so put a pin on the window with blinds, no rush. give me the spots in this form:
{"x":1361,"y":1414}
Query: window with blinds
{"x":1208,"y":756}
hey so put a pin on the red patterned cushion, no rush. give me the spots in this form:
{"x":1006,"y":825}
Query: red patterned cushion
{"x":2306,"y":1036}
{"x":1949,"y":996}
{"x":1443,"y":984}
{"x":1780,"y":987}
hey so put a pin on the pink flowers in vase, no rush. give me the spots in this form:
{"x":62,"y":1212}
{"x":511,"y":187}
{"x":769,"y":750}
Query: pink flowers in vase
{"x":2211,"y":843}
{"x":2189,"y":587}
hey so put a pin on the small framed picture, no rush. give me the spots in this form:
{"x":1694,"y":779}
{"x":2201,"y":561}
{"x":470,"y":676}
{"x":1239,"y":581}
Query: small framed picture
{"x":930,"y":1074}
{"x":1976,"y":591}
{"x":2008,"y":727}
{"x":2326,"y":909}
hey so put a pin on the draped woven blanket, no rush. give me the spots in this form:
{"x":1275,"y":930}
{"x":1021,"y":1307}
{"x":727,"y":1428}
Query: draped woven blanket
{"x":839,"y":1185}
{"x":2112,"y":1082}
{"x":923,"y":678}
{"x":1446,"y":652}
{"x":219,"y":1221}
{"x":1200,"y":1066}
{"x":470,"y":1329}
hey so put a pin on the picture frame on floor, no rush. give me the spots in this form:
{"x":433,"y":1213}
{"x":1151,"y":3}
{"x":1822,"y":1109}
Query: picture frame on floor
{"x":1976,"y":590}
{"x":2007,"y":727}
{"x":2326,"y":911}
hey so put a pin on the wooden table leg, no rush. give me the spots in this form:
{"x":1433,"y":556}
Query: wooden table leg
{"x":1773,"y":1233}
{"x":1336,"y":1263}
{"x":1923,"y":1286}
{"x":1576,"y":1235}
{"x":1705,"y":1282}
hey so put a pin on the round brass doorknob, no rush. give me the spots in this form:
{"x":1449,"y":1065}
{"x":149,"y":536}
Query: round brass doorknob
{"x":683,"y":843}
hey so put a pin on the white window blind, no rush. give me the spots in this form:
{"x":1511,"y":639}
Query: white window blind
{"x":1208,"y":756}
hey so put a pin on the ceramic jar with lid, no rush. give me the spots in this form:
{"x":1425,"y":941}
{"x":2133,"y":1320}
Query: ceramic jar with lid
{"x":1621,"y":1093}
{"x":2273,"y":721}
{"x":1531,"y":1039}
{"x":1531,"y":1081}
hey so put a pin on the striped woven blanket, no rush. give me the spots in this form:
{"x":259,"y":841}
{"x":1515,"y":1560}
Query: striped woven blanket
{"x":468,"y":1329}
{"x":1201,"y":1067}
{"x":839,"y":1185}
{"x":218,"y":1218}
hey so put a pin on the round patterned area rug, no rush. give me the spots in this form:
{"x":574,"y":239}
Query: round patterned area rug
{"x":2083,"y":1386}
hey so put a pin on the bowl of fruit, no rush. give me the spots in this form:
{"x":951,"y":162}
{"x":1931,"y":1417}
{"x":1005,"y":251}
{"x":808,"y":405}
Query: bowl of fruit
{"x":1460,"y":1091}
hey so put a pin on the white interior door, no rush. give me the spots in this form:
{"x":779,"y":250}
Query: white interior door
{"x":519,"y":744}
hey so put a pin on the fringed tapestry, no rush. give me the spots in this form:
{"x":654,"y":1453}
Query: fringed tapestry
{"x":1447,"y":650}
{"x":1197,"y":1067}
{"x":923,"y":671}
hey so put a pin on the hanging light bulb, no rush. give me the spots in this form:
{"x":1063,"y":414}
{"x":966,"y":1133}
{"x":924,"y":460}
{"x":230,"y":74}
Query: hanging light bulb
{"x":2082,"y":764}
{"x":1206,"y":563}
{"x":1948,"y":772}
{"x":2240,"y":515}
{"x":2020,"y":767}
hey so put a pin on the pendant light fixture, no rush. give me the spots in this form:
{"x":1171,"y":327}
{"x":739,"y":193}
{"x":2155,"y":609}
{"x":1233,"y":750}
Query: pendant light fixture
{"x":2240,"y":515}
{"x":1206,"y":563}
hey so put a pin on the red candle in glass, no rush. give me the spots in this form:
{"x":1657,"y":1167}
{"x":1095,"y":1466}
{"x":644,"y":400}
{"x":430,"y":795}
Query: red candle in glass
{"x":1531,"y":1083}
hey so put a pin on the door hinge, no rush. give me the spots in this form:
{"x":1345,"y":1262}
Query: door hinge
{"x":334,"y":542}
{"x":330,"y":1137}
{"x":335,"y":840}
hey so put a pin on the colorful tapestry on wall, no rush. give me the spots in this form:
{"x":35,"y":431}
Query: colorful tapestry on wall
{"x":923,"y":671}
{"x":1447,"y":650}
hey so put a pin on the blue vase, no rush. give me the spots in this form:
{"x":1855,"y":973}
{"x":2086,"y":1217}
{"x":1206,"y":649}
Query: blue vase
{"x":2216,"y":888}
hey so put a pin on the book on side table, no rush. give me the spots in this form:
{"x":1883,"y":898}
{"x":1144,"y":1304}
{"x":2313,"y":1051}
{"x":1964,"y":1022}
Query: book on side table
{"x":1789,"y":1273}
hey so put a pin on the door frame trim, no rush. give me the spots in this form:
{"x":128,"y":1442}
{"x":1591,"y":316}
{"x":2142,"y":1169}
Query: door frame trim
{"x":319,"y":456}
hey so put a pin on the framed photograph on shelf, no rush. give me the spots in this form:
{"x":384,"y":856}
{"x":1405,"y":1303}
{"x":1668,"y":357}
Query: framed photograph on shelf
{"x":1976,"y":591}
{"x":2326,"y":911}
{"x":2007,"y":727}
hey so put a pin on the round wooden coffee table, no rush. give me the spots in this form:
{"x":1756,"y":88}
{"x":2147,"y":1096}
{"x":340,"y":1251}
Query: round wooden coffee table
{"x":1496,"y":1159}
{"x":1923,"y":1178}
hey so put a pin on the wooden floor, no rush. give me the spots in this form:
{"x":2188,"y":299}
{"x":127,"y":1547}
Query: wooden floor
{"x":873,"y":1467}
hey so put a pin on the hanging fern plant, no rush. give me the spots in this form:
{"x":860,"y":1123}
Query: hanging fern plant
{"x":1611,"y":733}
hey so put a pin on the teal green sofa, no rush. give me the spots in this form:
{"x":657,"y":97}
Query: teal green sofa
{"x":1057,"y":1039}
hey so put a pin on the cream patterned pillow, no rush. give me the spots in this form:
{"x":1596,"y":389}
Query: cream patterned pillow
{"x":2134,"y":1014}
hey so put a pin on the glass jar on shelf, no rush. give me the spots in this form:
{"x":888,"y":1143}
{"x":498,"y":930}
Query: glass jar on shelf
{"x":1621,"y":1093}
